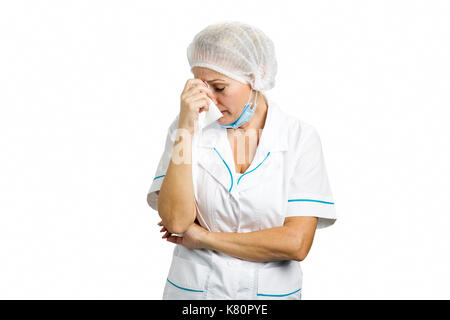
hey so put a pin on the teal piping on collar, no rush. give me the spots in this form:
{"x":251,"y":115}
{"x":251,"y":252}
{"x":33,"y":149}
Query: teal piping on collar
{"x":229,"y":190}
{"x":253,"y":169}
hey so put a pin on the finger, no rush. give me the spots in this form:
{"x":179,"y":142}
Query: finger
{"x":190,"y":83}
{"x":199,"y":85}
{"x":201,"y":91}
{"x":175,"y":239}
{"x":193,"y":83}
{"x":172,"y":240}
{"x":208,"y":92}
{"x":203,"y":108}
{"x":202,"y":100}
{"x":198,"y":104}
{"x":167,"y":234}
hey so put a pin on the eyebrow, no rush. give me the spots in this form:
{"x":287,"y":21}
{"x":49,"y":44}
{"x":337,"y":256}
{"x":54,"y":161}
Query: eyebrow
{"x":216,"y":80}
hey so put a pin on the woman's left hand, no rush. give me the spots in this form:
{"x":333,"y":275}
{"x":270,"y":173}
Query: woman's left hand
{"x":192,"y":238}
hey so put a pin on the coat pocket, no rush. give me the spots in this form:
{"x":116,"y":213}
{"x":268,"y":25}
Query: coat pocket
{"x":283,"y":281}
{"x":186,"y":280}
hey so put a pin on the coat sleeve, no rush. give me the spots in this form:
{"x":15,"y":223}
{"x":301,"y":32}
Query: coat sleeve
{"x":163,"y":164}
{"x":309,"y":192}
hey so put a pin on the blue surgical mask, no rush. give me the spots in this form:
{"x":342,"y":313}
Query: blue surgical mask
{"x":245,"y":116}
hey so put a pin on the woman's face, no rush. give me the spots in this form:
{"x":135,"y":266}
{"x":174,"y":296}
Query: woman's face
{"x":230,"y":95}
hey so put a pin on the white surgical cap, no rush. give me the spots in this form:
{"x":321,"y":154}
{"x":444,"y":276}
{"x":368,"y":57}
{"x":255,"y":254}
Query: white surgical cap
{"x":237,"y":50}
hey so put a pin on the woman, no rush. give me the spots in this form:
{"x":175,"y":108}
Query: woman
{"x":250,"y":189}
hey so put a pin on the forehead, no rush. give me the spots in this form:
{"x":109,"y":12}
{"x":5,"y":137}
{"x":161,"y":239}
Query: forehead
{"x":208,"y":74}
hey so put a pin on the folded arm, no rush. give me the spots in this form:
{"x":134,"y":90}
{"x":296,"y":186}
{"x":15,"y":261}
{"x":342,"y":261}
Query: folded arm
{"x":292,"y":241}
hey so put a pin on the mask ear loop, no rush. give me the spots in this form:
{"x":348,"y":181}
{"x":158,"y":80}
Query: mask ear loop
{"x":254,"y":104}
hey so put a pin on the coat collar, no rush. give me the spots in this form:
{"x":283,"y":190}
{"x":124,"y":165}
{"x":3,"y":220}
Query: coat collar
{"x":215,"y":155}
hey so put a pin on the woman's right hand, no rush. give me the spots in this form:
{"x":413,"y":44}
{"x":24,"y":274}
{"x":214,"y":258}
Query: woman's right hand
{"x":193,"y":100}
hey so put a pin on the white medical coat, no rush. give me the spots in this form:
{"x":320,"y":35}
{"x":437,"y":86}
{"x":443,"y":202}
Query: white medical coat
{"x":286,"y":178}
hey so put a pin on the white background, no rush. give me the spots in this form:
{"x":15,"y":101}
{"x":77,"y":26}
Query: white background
{"x":89,"y":88}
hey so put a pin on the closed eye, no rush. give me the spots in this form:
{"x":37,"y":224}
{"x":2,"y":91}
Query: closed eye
{"x":219,"y":89}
